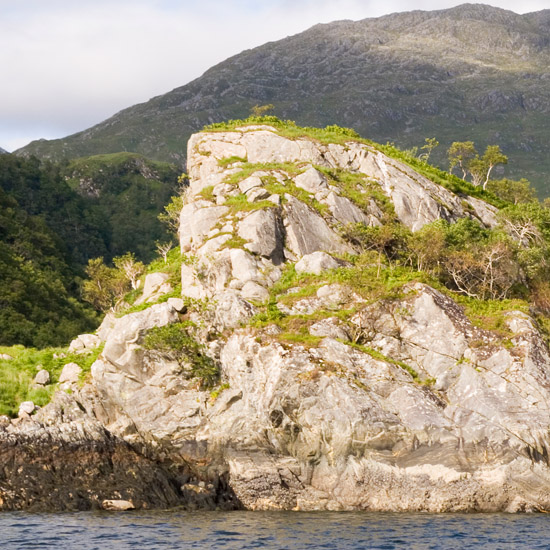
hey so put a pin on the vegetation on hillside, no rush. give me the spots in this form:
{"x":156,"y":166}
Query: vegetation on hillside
{"x":509,"y":262}
{"x":54,"y":219}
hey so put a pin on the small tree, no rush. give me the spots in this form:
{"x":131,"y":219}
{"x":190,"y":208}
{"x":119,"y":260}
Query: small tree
{"x":429,"y":146}
{"x":460,"y":154}
{"x":426,"y":246}
{"x":516,"y":192}
{"x":477,"y":168}
{"x":388,"y":239}
{"x":260,"y":110}
{"x":491,"y":158}
{"x":129,"y":268}
{"x":171,"y":215}
{"x":105,"y":286}
{"x":163,"y":249}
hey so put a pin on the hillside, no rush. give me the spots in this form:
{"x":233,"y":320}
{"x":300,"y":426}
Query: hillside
{"x":468,"y":73}
{"x":339,"y":330}
{"x":54,"y":219}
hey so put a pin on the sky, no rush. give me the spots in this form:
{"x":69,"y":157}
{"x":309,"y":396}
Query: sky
{"x":67,"y":65}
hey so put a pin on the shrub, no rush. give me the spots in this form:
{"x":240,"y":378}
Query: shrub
{"x":177,"y":341}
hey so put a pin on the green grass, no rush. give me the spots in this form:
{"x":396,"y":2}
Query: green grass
{"x":288,"y":128}
{"x":16,"y":375}
{"x":339,"y":135}
{"x":491,"y":314}
{"x":178,"y":342}
{"x":239,"y":203}
{"x":381,"y":357}
{"x":234,"y":242}
{"x":215,"y":393}
{"x":359,"y":189}
{"x":249,"y":168}
{"x":290,"y":188}
{"x":225,"y":162}
{"x":208,"y":193}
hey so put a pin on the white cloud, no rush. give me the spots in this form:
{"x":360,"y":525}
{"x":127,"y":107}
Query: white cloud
{"x":68,"y":65}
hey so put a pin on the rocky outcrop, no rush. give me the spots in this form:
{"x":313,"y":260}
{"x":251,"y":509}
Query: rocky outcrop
{"x":279,"y":384}
{"x":63,"y":459}
{"x":416,"y":199}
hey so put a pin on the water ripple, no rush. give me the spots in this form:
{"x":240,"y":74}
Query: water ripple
{"x":281,"y":531}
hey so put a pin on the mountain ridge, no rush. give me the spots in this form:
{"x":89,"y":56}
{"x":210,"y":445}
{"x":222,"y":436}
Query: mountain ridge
{"x":448,"y":74}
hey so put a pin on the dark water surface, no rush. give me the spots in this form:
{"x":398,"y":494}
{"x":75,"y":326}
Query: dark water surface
{"x":284,"y":530}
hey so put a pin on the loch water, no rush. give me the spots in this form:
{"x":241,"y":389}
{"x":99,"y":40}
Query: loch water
{"x":272,"y":530}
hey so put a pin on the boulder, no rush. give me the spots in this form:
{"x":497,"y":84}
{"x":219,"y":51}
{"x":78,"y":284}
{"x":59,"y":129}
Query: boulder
{"x":255,"y":292}
{"x":257,"y":194}
{"x":317,"y":262}
{"x":70,"y":373}
{"x":231,"y":310}
{"x":266,"y":146}
{"x":122,"y":348}
{"x":196,"y":220}
{"x":106,"y":326}
{"x":244,"y":266}
{"x":264,"y":231}
{"x":42,"y":378}
{"x":117,"y":505}
{"x":345,"y":211}
{"x":250,"y":183}
{"x":329,"y":328}
{"x":177,"y":303}
{"x":312,"y":181}
{"x":307,"y":231}
{"x":5,"y":357}
{"x":26,"y":408}
{"x":156,"y":284}
{"x":191,"y":286}
{"x":84,"y":342}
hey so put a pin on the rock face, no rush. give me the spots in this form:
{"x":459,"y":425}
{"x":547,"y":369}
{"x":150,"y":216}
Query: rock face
{"x":63,"y":459}
{"x":416,"y":199}
{"x":321,"y":398}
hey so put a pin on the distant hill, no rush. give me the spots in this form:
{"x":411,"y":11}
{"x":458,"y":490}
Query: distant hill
{"x":472,"y":72}
{"x":54,"y":218}
{"x":2,"y":151}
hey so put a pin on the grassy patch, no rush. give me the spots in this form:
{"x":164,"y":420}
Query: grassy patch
{"x":359,"y":189}
{"x":177,"y":341}
{"x":381,"y":357}
{"x":491,"y":314}
{"x":225,"y":162}
{"x":247,"y":169}
{"x":290,"y":188}
{"x":17,"y":374}
{"x":234,"y":242}
{"x":207,"y":193}
{"x":215,"y":393}
{"x":288,"y":128}
{"x":239,"y":203}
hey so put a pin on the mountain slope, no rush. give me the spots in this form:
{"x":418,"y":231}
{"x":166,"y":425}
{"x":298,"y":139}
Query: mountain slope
{"x":470,"y":72}
{"x":53,"y":219}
